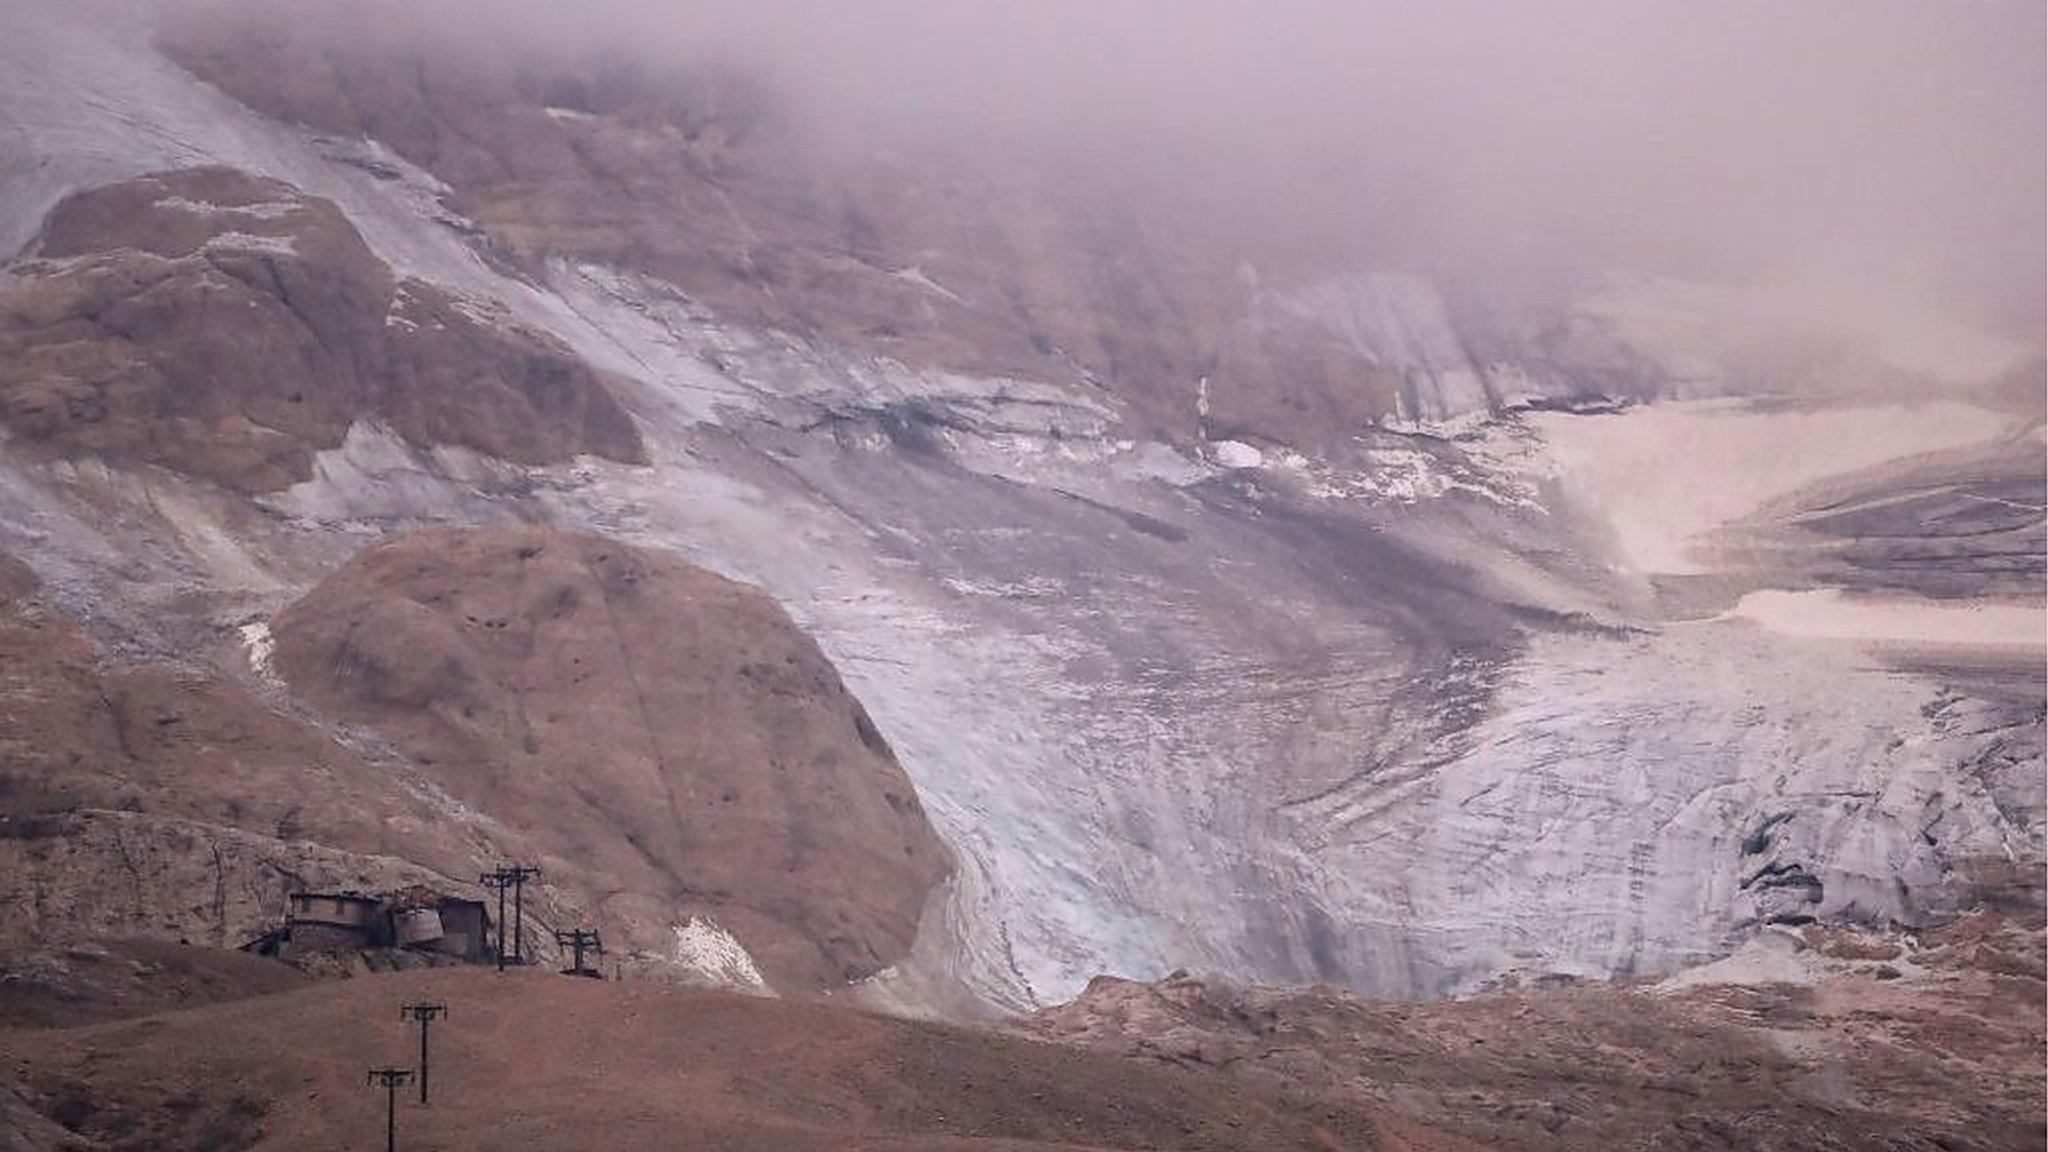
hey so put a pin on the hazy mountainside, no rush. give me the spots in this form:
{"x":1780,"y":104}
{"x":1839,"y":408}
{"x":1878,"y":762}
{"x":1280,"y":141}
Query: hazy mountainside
{"x":1197,"y":653}
{"x":1037,"y":266}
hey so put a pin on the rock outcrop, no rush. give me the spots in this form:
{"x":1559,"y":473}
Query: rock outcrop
{"x":664,"y":733}
{"x":225,"y":325}
{"x":152,"y":800}
{"x":77,"y":732}
{"x":685,"y":763}
{"x":1813,"y":1040}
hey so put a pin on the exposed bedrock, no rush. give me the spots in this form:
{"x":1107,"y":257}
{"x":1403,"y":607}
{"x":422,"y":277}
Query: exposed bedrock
{"x":662,"y":737}
{"x":147,"y":799}
{"x":684,"y":764}
{"x":225,"y":325}
{"x":1870,"y":1040}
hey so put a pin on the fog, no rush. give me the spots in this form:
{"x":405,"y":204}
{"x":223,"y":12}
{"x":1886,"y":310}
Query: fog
{"x":1876,"y":158}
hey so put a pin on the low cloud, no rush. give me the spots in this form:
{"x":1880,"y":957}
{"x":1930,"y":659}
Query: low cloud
{"x":1886,"y":151}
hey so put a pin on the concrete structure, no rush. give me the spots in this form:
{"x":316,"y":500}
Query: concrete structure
{"x":465,"y":929}
{"x":337,"y":909}
{"x":416,"y":920}
{"x":416,"y":927}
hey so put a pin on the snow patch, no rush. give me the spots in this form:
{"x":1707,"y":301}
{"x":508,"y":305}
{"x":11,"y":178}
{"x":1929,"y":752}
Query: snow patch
{"x":1771,"y":957}
{"x":248,"y":242}
{"x":1030,"y":588}
{"x":259,"y":644}
{"x":486,"y":313}
{"x":267,"y":210}
{"x":915,"y":275}
{"x":1238,"y":454}
{"x":705,"y":948}
{"x":1486,"y":467}
{"x":1828,"y":614}
{"x":1665,"y":476}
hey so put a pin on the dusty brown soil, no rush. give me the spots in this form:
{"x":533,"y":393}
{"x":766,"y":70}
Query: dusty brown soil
{"x":669,"y":733}
{"x":1945,"y":1055}
{"x":61,"y":986}
{"x":224,"y":325}
{"x":532,"y":1060}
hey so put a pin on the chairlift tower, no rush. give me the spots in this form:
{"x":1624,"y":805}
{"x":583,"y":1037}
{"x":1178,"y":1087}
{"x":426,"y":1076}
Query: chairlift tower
{"x":513,"y":876}
{"x":580,"y":941}
{"x":500,"y":881}
{"x":520,"y":874}
{"x":392,"y":1079}
{"x":426,"y":1013}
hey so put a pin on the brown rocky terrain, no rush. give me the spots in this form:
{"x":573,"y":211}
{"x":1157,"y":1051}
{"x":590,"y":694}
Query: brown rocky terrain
{"x":224,"y":325}
{"x":1860,"y":1040}
{"x":664,"y":741}
{"x":61,"y":986}
{"x":664,"y":731}
{"x":162,"y":740}
{"x":1346,"y":704}
{"x":150,"y":799}
{"x":1901,"y":1042}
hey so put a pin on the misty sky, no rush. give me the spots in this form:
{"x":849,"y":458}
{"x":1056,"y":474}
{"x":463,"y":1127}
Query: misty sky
{"x":1874,"y":147}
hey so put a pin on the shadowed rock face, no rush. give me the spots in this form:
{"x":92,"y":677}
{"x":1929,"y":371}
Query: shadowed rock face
{"x":225,"y":325}
{"x":665,"y":732}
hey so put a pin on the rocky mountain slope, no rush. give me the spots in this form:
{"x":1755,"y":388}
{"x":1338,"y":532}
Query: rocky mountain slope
{"x":1037,"y":265}
{"x":1315,"y":625}
{"x":622,"y":758}
{"x":227,"y":327}
{"x":660,"y":734}
{"x":1818,"y":1038}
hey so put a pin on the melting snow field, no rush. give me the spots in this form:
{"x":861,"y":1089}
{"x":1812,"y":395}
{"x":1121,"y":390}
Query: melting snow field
{"x":1831,"y":615}
{"x":1664,"y":477}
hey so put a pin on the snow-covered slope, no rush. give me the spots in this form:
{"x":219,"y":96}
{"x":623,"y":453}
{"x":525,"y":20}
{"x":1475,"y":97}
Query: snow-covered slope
{"x":1401,"y":711}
